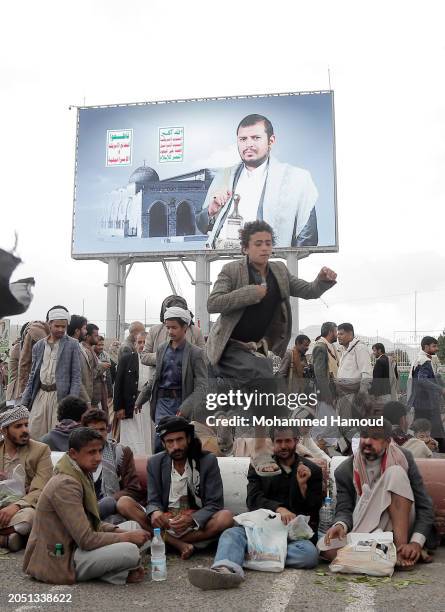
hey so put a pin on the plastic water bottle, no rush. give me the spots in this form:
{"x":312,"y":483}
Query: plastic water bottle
{"x":327,"y":513}
{"x":158,"y":559}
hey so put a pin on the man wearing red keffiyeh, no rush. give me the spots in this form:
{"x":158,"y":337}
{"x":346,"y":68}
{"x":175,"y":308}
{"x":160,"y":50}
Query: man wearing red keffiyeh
{"x":380,"y":488}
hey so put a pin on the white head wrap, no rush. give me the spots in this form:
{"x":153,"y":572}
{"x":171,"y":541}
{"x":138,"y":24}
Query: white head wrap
{"x":174,"y":312}
{"x":58,"y":314}
{"x":12,"y":415}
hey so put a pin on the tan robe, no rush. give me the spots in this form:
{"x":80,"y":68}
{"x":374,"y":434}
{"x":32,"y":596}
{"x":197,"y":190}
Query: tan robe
{"x":43,"y":416}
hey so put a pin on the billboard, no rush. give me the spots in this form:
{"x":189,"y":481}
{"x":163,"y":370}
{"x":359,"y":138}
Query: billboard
{"x":182,"y":177}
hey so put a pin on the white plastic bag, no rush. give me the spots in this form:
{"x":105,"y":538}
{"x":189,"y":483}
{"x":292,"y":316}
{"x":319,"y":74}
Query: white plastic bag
{"x":298,"y":528}
{"x":12,"y":489}
{"x":266,"y":540}
{"x":373,"y":554}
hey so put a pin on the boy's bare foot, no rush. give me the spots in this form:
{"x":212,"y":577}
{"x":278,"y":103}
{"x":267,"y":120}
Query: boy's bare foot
{"x":136,"y":575}
{"x":187,"y":551}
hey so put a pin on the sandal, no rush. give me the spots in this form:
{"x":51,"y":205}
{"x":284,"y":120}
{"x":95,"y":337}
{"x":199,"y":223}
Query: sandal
{"x":426,"y":556}
{"x":262,"y":461}
{"x":403,"y":568}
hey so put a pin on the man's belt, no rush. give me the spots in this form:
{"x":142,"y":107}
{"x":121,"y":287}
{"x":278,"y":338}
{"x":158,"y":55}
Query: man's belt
{"x":260,"y":347}
{"x":48,"y":387}
{"x":172,"y":393}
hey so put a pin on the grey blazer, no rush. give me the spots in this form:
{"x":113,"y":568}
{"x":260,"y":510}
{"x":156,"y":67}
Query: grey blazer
{"x":194,"y":380}
{"x":159,"y":468}
{"x":232,"y":293}
{"x":346,"y":496}
{"x":67,"y":370}
{"x":320,"y":361}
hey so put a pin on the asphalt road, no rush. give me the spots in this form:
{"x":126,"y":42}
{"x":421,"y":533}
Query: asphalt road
{"x":289,"y":591}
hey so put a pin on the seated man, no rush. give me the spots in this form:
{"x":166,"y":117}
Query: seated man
{"x":421,"y":445}
{"x":296,"y":490}
{"x":69,"y":414}
{"x":20,"y":459}
{"x":380,"y":487}
{"x":116,"y":482}
{"x":67,"y":515}
{"x":184,"y":489}
{"x":395,"y":413}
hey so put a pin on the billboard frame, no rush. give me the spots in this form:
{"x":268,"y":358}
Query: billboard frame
{"x":212,"y":255}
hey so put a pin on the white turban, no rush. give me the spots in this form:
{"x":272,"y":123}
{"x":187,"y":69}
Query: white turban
{"x":174,"y":312}
{"x":58,"y":314}
{"x":12,"y":415}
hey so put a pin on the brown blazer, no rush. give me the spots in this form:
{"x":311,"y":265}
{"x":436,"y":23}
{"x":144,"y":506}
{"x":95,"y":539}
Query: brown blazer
{"x":35,"y":331}
{"x":129,"y":479}
{"x":232,"y":294}
{"x":35,"y":457}
{"x":88,"y":368}
{"x":292,"y":370}
{"x":61,"y":519}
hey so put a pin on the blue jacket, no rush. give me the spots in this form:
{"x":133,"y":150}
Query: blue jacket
{"x":67,"y":370}
{"x":426,"y":390}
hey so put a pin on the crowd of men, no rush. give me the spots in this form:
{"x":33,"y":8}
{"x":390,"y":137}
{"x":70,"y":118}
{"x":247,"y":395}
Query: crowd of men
{"x":147,"y":396}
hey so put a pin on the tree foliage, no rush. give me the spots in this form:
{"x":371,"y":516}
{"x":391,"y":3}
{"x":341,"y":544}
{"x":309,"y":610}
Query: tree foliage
{"x":441,"y":344}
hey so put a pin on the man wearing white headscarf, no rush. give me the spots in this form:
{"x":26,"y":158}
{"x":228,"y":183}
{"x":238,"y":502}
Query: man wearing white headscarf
{"x":180,"y":381}
{"x":25,"y":468}
{"x":55,"y":373}
{"x":158,"y":334}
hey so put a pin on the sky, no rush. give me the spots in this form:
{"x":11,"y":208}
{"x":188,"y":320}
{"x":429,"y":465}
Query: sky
{"x":386,"y":66}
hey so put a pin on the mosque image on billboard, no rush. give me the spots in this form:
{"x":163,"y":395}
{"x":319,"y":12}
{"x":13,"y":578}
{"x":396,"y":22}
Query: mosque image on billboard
{"x":148,"y":207}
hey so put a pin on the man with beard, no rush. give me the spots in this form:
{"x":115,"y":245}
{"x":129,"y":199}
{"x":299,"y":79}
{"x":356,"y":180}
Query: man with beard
{"x":89,"y":364}
{"x":55,"y":373}
{"x":184,"y":489}
{"x":294,"y":367}
{"x":100,"y":384}
{"x":21,"y":459}
{"x":129,"y":344}
{"x":354,"y":377}
{"x":280,"y":194}
{"x":325,"y":359}
{"x":77,"y":328}
{"x":296,"y":490}
{"x":380,"y":488}
{"x":131,"y":376}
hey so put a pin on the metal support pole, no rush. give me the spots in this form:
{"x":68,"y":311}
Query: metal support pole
{"x":122,"y":297}
{"x":415,"y":317}
{"x":112,"y":326}
{"x":169,"y":278}
{"x":292,"y":266}
{"x":192,"y":280}
{"x":202,"y":289}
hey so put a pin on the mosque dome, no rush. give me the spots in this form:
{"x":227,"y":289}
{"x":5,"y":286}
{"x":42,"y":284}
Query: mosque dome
{"x":144,"y":175}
